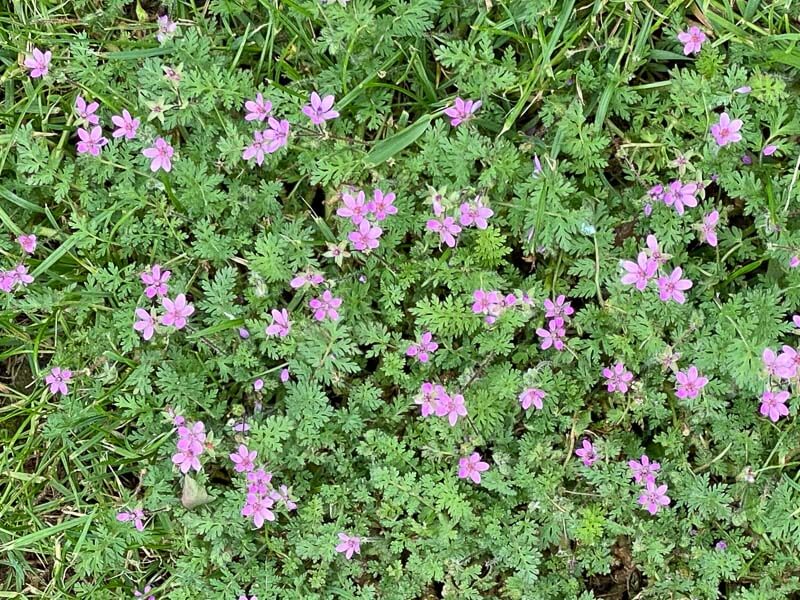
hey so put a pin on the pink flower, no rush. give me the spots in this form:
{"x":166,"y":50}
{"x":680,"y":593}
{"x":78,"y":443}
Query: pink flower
{"x":792,"y":357}
{"x":537,"y":166}
{"x":16,"y":277}
{"x":462,"y":111}
{"x":471,"y":467}
{"x":282,"y":495}
{"x":160,"y":155}
{"x":618,"y":378}
{"x":726,"y":131}
{"x":166,"y":28}
{"x":796,"y":321}
{"x":644,"y":470}
{"x":553,"y":336}
{"x":191,"y":438}
{"x":243,"y":459}
{"x":708,"y":231}
{"x":690,"y":383}
{"x":446,"y":228}
{"x":258,"y":109}
{"x":91,"y":141}
{"x":277,"y":135}
{"x":85,"y":112}
{"x":366,"y":237}
{"x":241,"y":426}
{"x":280,"y":323}
{"x":325,"y":306}
{"x":653,"y":498}
{"x":137,"y":517}
{"x":320,"y":109}
{"x":58,"y":379}
{"x":146,"y":590}
{"x":794,"y":262}
{"x":587,"y":453}
{"x":284,"y":376}
{"x":156,"y":281}
{"x":244,"y":333}
{"x":475,"y":214}
{"x":301,"y":279}
{"x":256,"y":149}
{"x":486,"y":302}
{"x":127,"y":126}
{"x":348,"y":545}
{"x":778,"y":365}
{"x":681,"y":195}
{"x":769,"y":150}
{"x":382,"y":204}
{"x":258,"y":384}
{"x":186,"y":460}
{"x":672,"y":287}
{"x":428,"y":397}
{"x":773,"y":405}
{"x":257,"y":507}
{"x":745,"y":89}
{"x":654,"y":252}
{"x":558,"y":309}
{"x":27,"y":243}
{"x":692,"y":40}
{"x":639,"y":272}
{"x":38,"y":63}
{"x":145,"y":323}
{"x":176,"y":311}
{"x":355,"y":207}
{"x":656,"y":193}
{"x":532,"y":397}
{"x":450,"y":406}
{"x":423,"y":348}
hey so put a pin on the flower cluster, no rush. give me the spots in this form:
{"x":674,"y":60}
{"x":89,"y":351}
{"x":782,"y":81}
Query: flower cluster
{"x":653,"y":496}
{"x":18,"y":276}
{"x":176,"y":312}
{"x":434,"y":399}
{"x":491,"y":303}
{"x":191,"y":444}
{"x":778,"y":366}
{"x":648,"y":264}
{"x":261,"y":496}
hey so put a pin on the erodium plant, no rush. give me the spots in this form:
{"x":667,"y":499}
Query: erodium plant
{"x":406,"y":300}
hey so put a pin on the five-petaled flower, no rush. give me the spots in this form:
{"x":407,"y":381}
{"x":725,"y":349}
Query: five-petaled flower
{"x":27,"y":243}
{"x":355,"y":208}
{"x":382,"y":204}
{"x":476,"y":214}
{"x":671,"y":287}
{"x":587,"y":453}
{"x":424,"y":348}
{"x":708,"y":232}
{"x":319,"y":109}
{"x":532,"y":397}
{"x":325,"y":306}
{"x":258,"y":109}
{"x":90,"y":142}
{"x":773,"y":404}
{"x":617,"y":378}
{"x":144,"y":594}
{"x":428,"y":398}
{"x":277,"y":135}
{"x":58,"y":379}
{"x":156,"y":281}
{"x":243,"y":459}
{"x":654,"y":497}
{"x":38,"y":63}
{"x":726,"y":131}
{"x":452,"y":407}
{"x":127,"y":126}
{"x":643,"y":469}
{"x":639,"y":272}
{"x":281,"y":326}
{"x":258,"y":507}
{"x":85,"y":112}
{"x":471,"y":467}
{"x":366,"y":237}
{"x":554,"y":334}
{"x":679,"y":195}
{"x":558,"y":309}
{"x":176,"y":311}
{"x":692,"y":40}
{"x":166,"y":27}
{"x":690,"y":383}
{"x":160,"y":155}
{"x":446,"y":228}
{"x":462,"y":111}
{"x":349,"y":544}
{"x":136,"y":517}
{"x":145,"y":323}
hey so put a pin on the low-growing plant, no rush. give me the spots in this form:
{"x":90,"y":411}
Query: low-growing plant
{"x":413,"y":300}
